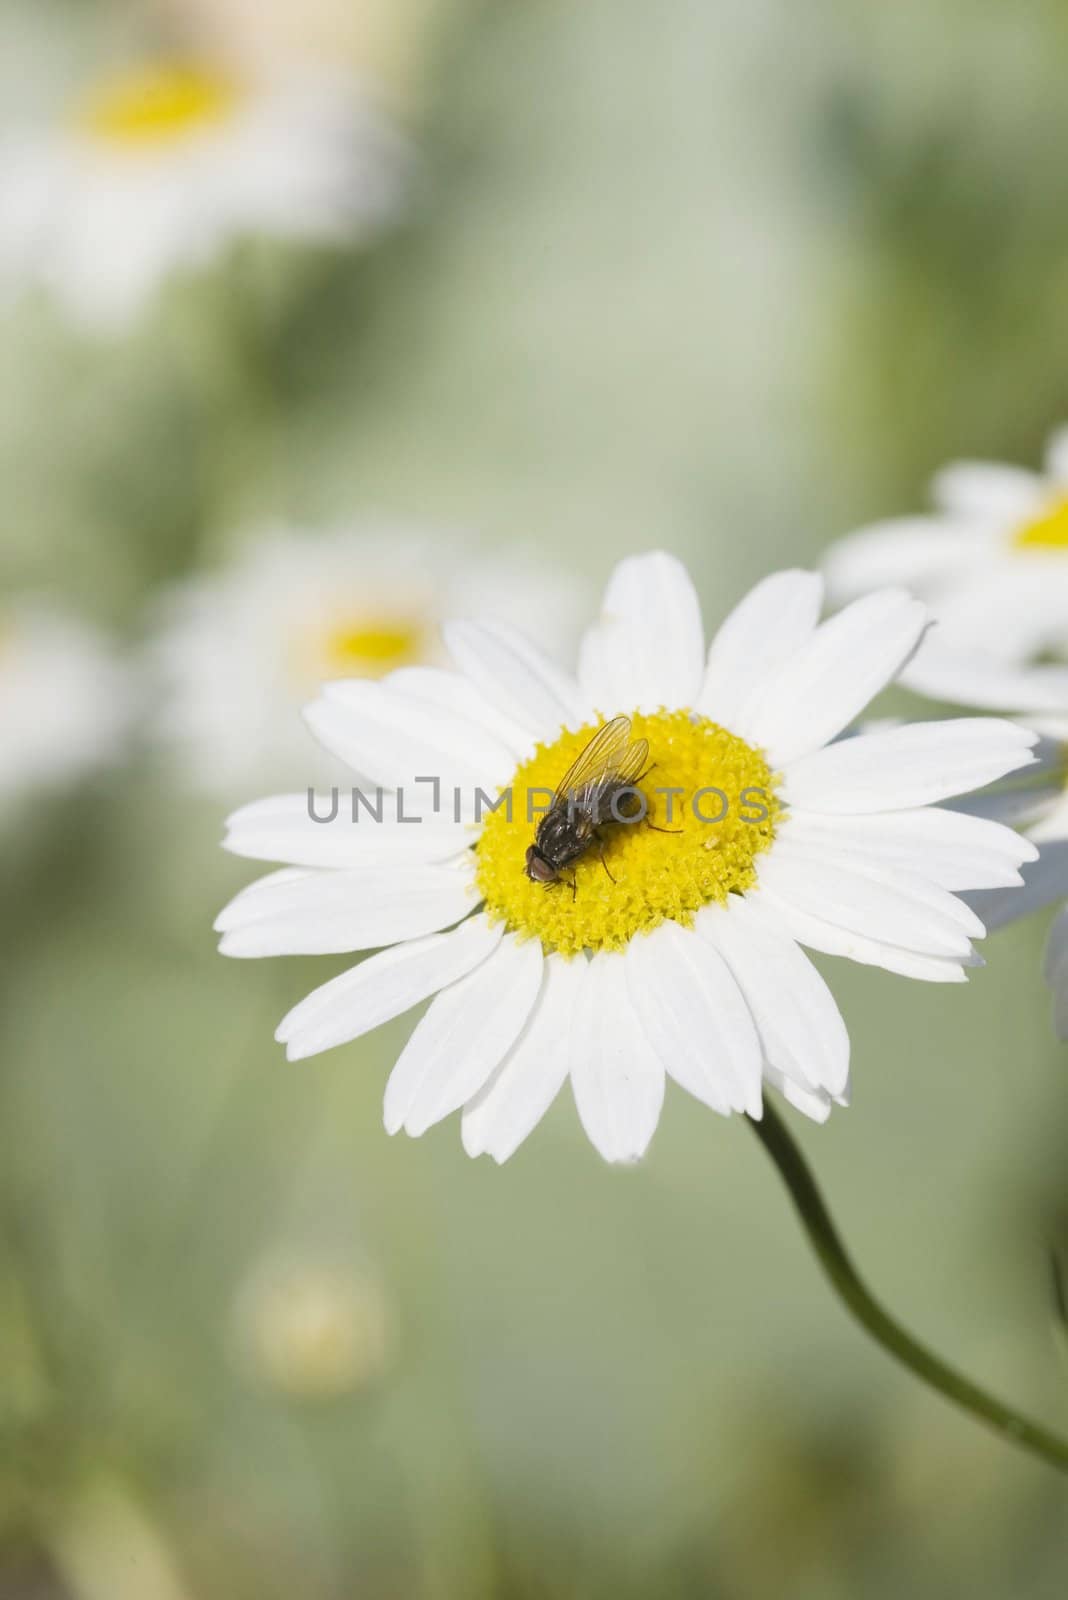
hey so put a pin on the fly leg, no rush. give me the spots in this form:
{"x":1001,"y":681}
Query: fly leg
{"x":600,"y":850}
{"x":644,"y":774}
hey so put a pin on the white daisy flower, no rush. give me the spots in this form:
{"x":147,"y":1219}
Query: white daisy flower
{"x":679,"y":953}
{"x":161,"y":169}
{"x":992,"y":562}
{"x":65,"y":701}
{"x":241,"y":652}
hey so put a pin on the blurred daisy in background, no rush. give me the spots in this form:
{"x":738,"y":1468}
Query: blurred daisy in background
{"x":1038,"y":806}
{"x":312,"y":1330}
{"x":241,"y":651}
{"x":387,"y":41}
{"x":65,"y":700}
{"x":992,"y":561}
{"x":160,"y":169}
{"x":677,"y":953}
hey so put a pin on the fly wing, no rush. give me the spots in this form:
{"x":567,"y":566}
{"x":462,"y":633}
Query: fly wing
{"x":610,"y":757}
{"x":596,"y":759}
{"x":631,"y":763}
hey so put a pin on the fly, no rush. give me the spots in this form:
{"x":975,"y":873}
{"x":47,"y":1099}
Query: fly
{"x":589,"y":796}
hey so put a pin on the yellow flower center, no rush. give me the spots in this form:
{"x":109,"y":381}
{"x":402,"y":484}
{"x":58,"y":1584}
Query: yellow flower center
{"x":157,"y":105}
{"x":1047,"y":532}
{"x":371,"y":650}
{"x":723,"y":818}
{"x":366,"y":649}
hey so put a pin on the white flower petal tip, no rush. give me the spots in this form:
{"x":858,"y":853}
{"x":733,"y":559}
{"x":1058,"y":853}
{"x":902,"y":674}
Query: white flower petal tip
{"x":953,"y":849}
{"x":331,"y":913}
{"x":384,"y":986}
{"x":763,"y":631}
{"x":967,"y":677}
{"x":647,"y":648}
{"x":465,"y":1035}
{"x":829,"y":680}
{"x":1045,"y":882}
{"x":524,"y":1086}
{"x":616,"y":1077}
{"x":894,"y":553}
{"x":820,"y":933}
{"x":695,"y":1017}
{"x":816,"y":1104}
{"x":802,"y":1033}
{"x":912,"y":765}
{"x":334,"y":831}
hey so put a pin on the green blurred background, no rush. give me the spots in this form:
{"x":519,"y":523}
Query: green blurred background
{"x":724,"y":277}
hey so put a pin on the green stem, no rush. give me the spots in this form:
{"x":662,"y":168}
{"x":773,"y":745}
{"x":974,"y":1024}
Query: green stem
{"x":823,"y":1236}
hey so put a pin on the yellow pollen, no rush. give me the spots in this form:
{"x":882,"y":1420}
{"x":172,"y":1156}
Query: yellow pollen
{"x":1047,"y":532}
{"x":157,"y":105}
{"x":658,"y":876}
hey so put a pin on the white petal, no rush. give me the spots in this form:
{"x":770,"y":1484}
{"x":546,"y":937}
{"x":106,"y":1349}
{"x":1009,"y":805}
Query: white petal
{"x":765,"y":629}
{"x":527,"y":1082}
{"x":616,"y":1076}
{"x":394,"y":738}
{"x":916,"y":553}
{"x":384,"y":986}
{"x":815,"y":1103}
{"x":1008,"y":612}
{"x":830,"y":680}
{"x":951,"y":849}
{"x":516,"y":676}
{"x":912,"y":765}
{"x":1057,"y":456}
{"x":1045,"y":881}
{"x":798,"y":1020}
{"x":455,"y":694}
{"x":466,"y":1033}
{"x":282,"y":829}
{"x":819,"y":934}
{"x":647,"y":648}
{"x":988,"y":490}
{"x":896,"y":907}
{"x":976,"y":680}
{"x":324,"y":913}
{"x":1049,"y":818}
{"x":695,"y":1018}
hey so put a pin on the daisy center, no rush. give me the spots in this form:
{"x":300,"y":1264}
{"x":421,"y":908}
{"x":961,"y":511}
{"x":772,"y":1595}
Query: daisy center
{"x":1047,"y":532}
{"x":157,"y":105}
{"x":368,"y":648}
{"x":374,"y":648}
{"x":722,"y":814}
